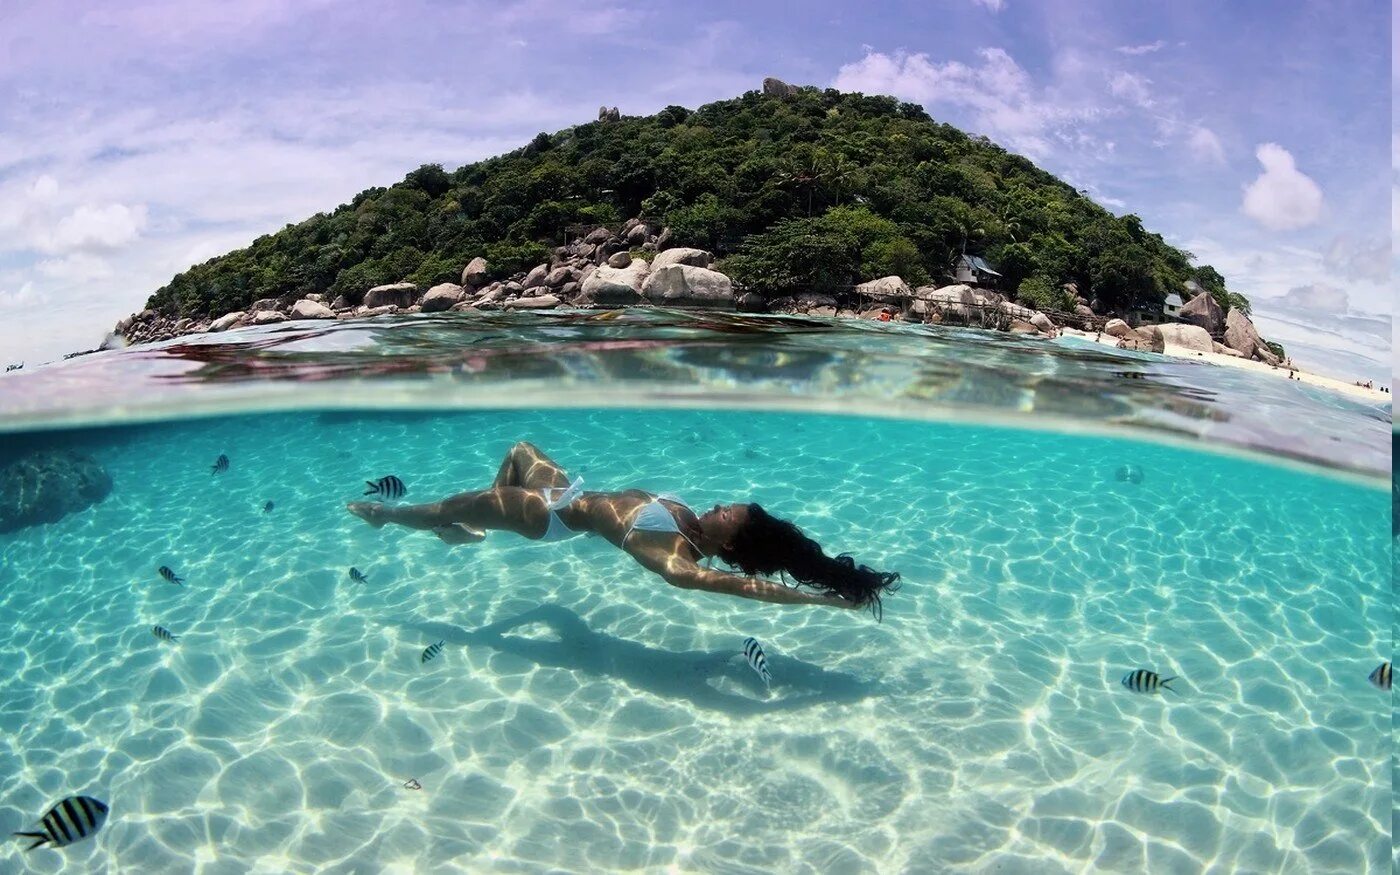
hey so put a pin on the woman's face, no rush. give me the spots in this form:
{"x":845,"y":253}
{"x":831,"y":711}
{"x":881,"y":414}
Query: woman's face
{"x":720,"y":523}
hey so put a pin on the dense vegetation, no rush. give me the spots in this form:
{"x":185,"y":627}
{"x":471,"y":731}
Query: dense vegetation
{"x":815,"y":191}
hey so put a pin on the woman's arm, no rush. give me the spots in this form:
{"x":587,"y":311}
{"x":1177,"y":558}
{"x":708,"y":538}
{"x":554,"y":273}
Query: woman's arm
{"x":684,"y":573}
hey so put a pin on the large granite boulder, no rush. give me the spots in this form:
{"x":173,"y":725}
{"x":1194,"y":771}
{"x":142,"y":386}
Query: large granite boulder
{"x":612,"y":286}
{"x":1204,"y":312}
{"x":539,"y":302}
{"x":1241,"y":335}
{"x":886,"y":288}
{"x":685,"y":285}
{"x":620,"y":259}
{"x":1117,"y":328}
{"x":778,"y":88}
{"x":396,"y":294}
{"x":308,"y":309}
{"x":1042,"y":323}
{"x":268,"y":317}
{"x":442,"y":296}
{"x":226,"y":321}
{"x":1192,"y":337}
{"x":474,"y":274}
{"x":956,"y":299}
{"x":1146,"y":339}
{"x":47,"y":485}
{"x":682,"y":255}
{"x":556,"y":278}
{"x":535,"y":277}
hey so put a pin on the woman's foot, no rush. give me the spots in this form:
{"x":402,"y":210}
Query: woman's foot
{"x":371,"y":512}
{"x":459,"y":533}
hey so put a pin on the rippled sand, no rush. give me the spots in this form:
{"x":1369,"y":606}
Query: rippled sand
{"x":585,"y":717}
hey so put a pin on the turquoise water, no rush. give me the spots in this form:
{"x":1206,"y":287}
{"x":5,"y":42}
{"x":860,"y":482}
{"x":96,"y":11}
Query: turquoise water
{"x":586,"y":717}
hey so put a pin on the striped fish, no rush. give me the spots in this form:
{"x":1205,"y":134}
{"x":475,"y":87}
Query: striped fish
{"x":1143,"y":681}
{"x":164,"y":634}
{"x":389,"y":487}
{"x":432,"y":651}
{"x":71,"y":820}
{"x":358,"y":576}
{"x":220,"y":464}
{"x":753,"y":652}
{"x":1381,"y":676}
{"x":169,"y":575}
{"x":267,"y":508}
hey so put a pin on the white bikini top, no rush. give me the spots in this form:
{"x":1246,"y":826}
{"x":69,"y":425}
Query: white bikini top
{"x":656,"y":517}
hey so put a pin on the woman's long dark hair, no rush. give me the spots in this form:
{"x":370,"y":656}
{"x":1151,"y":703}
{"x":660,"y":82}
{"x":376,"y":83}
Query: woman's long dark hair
{"x":768,"y":545}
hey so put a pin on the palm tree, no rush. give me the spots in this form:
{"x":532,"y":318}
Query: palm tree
{"x":803,"y":172}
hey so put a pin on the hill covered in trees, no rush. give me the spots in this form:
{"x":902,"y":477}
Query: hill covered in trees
{"x":812,"y":190}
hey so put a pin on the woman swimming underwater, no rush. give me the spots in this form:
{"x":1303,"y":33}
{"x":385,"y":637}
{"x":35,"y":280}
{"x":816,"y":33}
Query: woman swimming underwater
{"x":531,"y":496}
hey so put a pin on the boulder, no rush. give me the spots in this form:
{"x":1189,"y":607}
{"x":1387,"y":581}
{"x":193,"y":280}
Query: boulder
{"x":597,"y":235}
{"x":1241,"y":335}
{"x":663,"y":240}
{"x":342,"y":303}
{"x":956,"y":299}
{"x":1204,"y":312}
{"x":1043,"y":323}
{"x":568,"y":290}
{"x":442,"y":297}
{"x":396,"y":294}
{"x":540,"y":302}
{"x":778,"y":88}
{"x":369,"y":312}
{"x":1222,"y":349}
{"x":1015,"y":311}
{"x":308,"y":309}
{"x":801,"y":303}
{"x":687,"y":285}
{"x":268,"y":317}
{"x":1145,"y":339}
{"x":1192,"y":337}
{"x":682,"y":255}
{"x":125,"y":324}
{"x":620,"y":259}
{"x":556,"y":278}
{"x":1083,"y":311}
{"x":474,"y":274}
{"x":637,"y":235}
{"x":266,"y":304}
{"x":1020,"y":326}
{"x":317,"y":297}
{"x":462,"y":307}
{"x":45,"y":486}
{"x":226,"y":321}
{"x":1117,"y":328}
{"x":611,"y":286}
{"x":887,"y":288}
{"x":535,"y":277}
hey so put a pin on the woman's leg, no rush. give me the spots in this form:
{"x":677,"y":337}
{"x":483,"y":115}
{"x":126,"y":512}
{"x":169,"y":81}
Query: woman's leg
{"x":528,"y":467}
{"x":509,"y":508}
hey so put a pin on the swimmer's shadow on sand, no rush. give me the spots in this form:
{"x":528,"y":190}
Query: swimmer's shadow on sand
{"x":689,"y":674}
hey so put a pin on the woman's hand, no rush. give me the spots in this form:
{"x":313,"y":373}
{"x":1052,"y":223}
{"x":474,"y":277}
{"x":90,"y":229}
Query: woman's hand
{"x":371,"y":512}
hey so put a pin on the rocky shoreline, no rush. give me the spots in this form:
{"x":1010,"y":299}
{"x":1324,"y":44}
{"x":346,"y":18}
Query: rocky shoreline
{"x":635,"y":265}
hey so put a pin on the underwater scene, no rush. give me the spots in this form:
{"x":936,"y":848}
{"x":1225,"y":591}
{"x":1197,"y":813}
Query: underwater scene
{"x":1138,"y":624}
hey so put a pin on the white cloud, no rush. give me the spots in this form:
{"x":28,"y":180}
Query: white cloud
{"x":1133,"y":88}
{"x":78,"y":267}
{"x":93,"y":227}
{"x":994,"y":5}
{"x":17,"y":298}
{"x":1142,"y":49}
{"x":1355,"y":258}
{"x":1205,"y":145}
{"x":1282,"y":198}
{"x":1004,"y":100}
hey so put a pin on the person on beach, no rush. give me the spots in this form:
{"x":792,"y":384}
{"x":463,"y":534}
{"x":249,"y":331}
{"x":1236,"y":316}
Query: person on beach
{"x":531,"y":496}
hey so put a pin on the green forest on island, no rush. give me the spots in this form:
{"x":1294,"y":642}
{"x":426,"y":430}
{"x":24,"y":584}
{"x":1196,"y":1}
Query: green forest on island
{"x":813,"y":191}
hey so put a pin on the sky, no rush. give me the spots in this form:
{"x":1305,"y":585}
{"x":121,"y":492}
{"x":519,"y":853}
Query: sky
{"x":139,"y":138}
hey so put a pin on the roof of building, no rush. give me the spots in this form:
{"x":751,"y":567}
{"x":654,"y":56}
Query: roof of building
{"x":979,"y":263}
{"x":1173,"y":300}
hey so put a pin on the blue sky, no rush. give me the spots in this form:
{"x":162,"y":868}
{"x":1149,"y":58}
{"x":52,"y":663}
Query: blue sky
{"x":135,"y":141}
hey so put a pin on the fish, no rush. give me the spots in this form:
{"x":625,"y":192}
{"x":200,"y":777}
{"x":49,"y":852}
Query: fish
{"x":358,"y":576}
{"x":1143,"y":681}
{"x":164,"y":634}
{"x":1129,"y":474}
{"x":753,"y":652}
{"x":170,"y":576}
{"x":267,"y":508}
{"x":389,"y":487}
{"x":71,"y":820}
{"x":1381,"y":676}
{"x":432,"y":651}
{"x":220,"y":464}
{"x":412,"y":784}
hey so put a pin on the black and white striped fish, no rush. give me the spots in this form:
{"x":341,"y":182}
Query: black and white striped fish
{"x":1381,"y":676}
{"x":753,"y":652}
{"x":169,"y":575}
{"x":389,"y":487}
{"x":432,"y":651}
{"x":1143,"y":681}
{"x":71,"y":820}
{"x":267,"y":508}
{"x":358,"y":576}
{"x":220,"y":464}
{"x":1129,"y":474}
{"x":164,"y":634}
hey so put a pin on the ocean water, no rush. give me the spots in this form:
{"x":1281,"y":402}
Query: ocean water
{"x":586,"y":717}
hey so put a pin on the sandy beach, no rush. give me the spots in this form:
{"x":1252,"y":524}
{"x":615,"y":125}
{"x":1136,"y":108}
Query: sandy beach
{"x":1302,"y":376}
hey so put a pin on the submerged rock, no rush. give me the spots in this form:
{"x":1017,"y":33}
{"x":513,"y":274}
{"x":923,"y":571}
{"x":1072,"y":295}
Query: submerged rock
{"x":46,"y":486}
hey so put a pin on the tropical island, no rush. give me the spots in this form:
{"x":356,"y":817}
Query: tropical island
{"x":789,"y":199}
